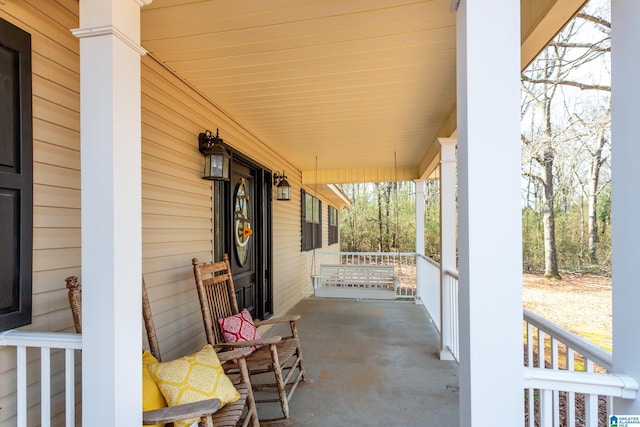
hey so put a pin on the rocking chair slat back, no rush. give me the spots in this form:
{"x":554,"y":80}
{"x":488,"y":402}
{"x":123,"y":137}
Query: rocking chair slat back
{"x":219,"y":293}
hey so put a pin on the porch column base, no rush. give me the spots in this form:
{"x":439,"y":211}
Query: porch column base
{"x":445,"y":354}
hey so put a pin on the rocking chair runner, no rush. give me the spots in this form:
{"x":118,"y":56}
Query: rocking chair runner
{"x":208,"y":411}
{"x":282,"y":356}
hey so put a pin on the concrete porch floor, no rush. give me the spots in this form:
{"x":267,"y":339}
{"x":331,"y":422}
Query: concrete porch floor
{"x":373,"y":363}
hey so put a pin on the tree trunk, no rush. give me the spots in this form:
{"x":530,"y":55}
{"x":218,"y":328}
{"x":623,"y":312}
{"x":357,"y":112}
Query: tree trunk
{"x":355,"y":191}
{"x":387,"y":217}
{"x":380,"y":222}
{"x":596,"y":164}
{"x":548,"y":217}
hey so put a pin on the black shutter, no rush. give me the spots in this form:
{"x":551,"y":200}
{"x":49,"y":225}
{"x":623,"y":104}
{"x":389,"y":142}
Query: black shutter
{"x":16,"y":177}
{"x":318,"y":230}
{"x":304,"y":226}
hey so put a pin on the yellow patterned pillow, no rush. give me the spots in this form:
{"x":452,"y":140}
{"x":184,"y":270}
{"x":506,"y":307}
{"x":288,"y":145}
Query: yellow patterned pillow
{"x":194,"y":378}
{"x":152,"y":397}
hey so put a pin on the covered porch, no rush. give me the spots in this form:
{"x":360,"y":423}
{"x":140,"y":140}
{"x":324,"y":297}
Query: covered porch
{"x":120,"y":131}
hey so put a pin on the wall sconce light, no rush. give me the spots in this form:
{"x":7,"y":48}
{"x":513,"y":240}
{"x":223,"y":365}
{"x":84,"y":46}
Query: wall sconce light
{"x":216,"y":157}
{"x":283,"y":189}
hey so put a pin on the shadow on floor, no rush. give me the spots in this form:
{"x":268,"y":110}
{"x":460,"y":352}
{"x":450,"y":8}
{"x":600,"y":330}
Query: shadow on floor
{"x":373,"y":363}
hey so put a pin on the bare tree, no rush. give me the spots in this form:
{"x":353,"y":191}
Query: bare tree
{"x":597,"y":161}
{"x":558,"y":67}
{"x":541,"y":147}
{"x":595,"y":145}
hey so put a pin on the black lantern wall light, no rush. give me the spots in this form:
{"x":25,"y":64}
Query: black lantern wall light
{"x":216,"y":157}
{"x":283,"y":189}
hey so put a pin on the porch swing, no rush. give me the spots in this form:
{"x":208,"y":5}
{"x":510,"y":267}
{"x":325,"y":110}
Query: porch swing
{"x":347,"y":278}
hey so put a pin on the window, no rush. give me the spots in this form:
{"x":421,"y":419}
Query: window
{"x":16,"y":177}
{"x":311,"y":222}
{"x":333,"y":225}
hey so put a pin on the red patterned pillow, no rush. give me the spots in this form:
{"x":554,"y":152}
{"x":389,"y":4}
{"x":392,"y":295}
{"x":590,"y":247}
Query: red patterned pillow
{"x":239,"y":327}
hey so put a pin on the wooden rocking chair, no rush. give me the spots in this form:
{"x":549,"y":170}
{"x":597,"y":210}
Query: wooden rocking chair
{"x":280,"y":355}
{"x":208,"y":411}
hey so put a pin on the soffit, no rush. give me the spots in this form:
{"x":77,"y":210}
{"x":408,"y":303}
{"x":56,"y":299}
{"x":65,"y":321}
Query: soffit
{"x":331,"y":85}
{"x":348,"y":82}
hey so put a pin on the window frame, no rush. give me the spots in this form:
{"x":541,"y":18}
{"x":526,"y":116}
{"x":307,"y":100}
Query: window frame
{"x":311,"y":227}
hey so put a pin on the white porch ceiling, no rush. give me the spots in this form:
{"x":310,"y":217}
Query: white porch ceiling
{"x":362,"y":84}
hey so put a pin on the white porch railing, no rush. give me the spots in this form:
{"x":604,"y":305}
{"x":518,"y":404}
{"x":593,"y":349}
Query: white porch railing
{"x":49,"y":344}
{"x":571,"y":385}
{"x":450,"y":298}
{"x":567,"y":379}
{"x":441,"y":301}
{"x":404,"y":263}
{"x":429,"y":291}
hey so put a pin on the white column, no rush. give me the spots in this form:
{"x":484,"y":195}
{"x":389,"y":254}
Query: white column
{"x":111,"y":211}
{"x":625,"y":155}
{"x":490,"y":249}
{"x":421,"y":268}
{"x":448,"y":239}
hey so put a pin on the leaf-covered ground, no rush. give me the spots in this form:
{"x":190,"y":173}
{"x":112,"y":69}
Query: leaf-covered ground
{"x":578,"y":303}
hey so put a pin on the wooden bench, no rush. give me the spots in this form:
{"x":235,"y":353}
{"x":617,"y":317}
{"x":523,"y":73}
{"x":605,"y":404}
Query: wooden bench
{"x":356,"y":281}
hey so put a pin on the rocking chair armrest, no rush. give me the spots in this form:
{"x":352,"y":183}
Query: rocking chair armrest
{"x":283,"y":319}
{"x":181,"y":412}
{"x":242,"y":344}
{"x":225,"y":356}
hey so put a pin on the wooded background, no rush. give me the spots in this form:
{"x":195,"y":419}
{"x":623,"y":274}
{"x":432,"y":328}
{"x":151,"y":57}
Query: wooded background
{"x":566,"y":173}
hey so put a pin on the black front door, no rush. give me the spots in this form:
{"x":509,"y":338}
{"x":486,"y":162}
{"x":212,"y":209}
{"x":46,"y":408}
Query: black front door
{"x":245,"y":232}
{"x":242,"y":229}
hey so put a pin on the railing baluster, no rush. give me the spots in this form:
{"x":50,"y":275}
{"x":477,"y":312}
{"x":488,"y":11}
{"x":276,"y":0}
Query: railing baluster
{"x":541,"y":365}
{"x":455,"y":322}
{"x":546,"y":411}
{"x":21,"y":377}
{"x":529,"y":344}
{"x":45,"y":386}
{"x":541,"y":349}
{"x":571,"y":396}
{"x":530,"y":391}
{"x":590,"y":401}
{"x":556,"y":394}
{"x":69,"y":387}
